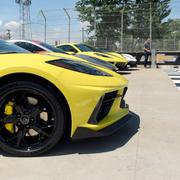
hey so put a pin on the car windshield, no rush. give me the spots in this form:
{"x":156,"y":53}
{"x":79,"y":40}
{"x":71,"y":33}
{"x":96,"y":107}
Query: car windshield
{"x":52,"y":48}
{"x":102,"y":50}
{"x":86,"y":48}
{"x":6,"y":48}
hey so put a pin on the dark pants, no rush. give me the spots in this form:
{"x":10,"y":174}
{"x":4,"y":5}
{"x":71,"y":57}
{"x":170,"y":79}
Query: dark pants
{"x":146,"y":54}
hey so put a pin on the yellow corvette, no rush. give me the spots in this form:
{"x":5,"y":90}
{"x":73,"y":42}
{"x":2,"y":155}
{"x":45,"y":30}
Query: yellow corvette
{"x":84,"y":49}
{"x":44,"y":97}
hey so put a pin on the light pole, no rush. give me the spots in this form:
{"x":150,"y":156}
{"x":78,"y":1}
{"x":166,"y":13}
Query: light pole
{"x":69,"y":24}
{"x":45,"y":25}
{"x":150,"y":28}
{"x":174,"y":34}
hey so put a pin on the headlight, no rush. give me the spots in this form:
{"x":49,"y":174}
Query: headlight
{"x":78,"y":66}
{"x":96,"y":61}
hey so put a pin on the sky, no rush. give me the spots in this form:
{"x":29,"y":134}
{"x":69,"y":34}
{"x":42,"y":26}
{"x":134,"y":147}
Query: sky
{"x":56,"y":18}
{"x":175,"y":6}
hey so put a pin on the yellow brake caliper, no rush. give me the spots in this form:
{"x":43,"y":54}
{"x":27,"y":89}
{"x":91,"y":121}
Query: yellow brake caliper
{"x":8,"y":112}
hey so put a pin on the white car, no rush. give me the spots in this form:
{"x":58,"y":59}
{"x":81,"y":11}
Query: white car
{"x":132,"y":61}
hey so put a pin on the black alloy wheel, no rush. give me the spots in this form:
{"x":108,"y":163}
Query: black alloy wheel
{"x":31,"y":118}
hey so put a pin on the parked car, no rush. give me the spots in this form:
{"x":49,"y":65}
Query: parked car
{"x":43,"y":97}
{"x":132,"y":61}
{"x":44,"y":48}
{"x":83,"y":49}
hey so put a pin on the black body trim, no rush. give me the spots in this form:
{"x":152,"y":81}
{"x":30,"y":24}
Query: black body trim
{"x":103,"y":107}
{"x":83,"y":133}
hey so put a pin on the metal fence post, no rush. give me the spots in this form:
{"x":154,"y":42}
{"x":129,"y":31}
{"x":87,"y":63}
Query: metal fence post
{"x":95,"y":27}
{"x":82,"y":34}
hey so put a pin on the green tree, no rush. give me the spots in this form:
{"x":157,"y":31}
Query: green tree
{"x":107,"y":15}
{"x":141,"y":18}
{"x":104,"y":17}
{"x":171,"y":29}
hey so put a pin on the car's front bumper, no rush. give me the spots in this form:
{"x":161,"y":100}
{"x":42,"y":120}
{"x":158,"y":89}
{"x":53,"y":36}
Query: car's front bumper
{"x":84,"y":133}
{"x":121,"y":65}
{"x":132,"y":63}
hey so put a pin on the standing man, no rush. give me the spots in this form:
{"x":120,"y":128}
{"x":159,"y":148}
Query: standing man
{"x":147,"y":51}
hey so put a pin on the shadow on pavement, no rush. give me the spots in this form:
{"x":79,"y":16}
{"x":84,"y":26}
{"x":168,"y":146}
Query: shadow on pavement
{"x":128,"y":71}
{"x":99,"y":145}
{"x":95,"y":145}
{"x":132,"y":69}
{"x":124,"y":73}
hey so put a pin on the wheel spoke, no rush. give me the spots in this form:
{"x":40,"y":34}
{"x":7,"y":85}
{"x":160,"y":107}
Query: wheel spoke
{"x":20,"y":136}
{"x":22,"y":98}
{"x":35,"y":112}
{"x":8,"y":119}
{"x":19,"y":109}
{"x":48,"y":126}
{"x":39,"y":130}
{"x":11,"y":139}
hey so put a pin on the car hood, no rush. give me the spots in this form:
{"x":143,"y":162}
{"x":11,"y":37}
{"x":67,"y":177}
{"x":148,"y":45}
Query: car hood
{"x":83,"y":58}
{"x":105,"y":56}
{"x":35,"y":64}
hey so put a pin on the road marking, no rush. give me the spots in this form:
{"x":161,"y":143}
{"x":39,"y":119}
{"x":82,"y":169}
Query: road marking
{"x":176,"y":79}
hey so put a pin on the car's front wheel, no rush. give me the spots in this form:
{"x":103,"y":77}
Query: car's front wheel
{"x":31,"y":118}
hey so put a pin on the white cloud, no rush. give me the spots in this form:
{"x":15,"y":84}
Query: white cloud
{"x":12,"y":25}
{"x":1,"y":22}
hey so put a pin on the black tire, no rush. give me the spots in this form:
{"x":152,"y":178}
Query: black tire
{"x":47,"y":132}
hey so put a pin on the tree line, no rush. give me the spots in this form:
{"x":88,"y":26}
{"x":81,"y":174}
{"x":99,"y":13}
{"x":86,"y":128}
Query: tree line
{"x":105,"y":17}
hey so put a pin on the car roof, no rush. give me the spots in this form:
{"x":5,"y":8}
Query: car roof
{"x":25,"y":40}
{"x":68,"y":44}
{"x":34,"y":42}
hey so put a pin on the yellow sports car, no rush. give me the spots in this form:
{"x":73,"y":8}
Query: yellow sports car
{"x":83,"y":49}
{"x":44,"y":97}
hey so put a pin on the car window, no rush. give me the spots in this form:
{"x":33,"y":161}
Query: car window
{"x":68,"y":48}
{"x":85,"y":48}
{"x":52,"y":48}
{"x":6,"y":47}
{"x":30,"y":47}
